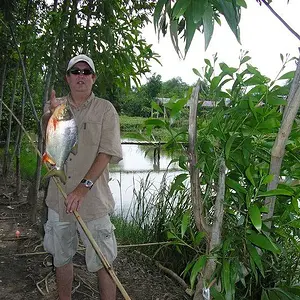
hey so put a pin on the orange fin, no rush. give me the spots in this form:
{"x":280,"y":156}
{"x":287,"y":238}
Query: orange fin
{"x":47,"y":158}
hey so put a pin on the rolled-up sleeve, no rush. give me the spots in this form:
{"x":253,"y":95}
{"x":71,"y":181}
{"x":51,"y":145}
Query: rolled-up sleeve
{"x":110,"y":142}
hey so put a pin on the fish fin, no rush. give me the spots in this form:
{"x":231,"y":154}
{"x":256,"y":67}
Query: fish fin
{"x":75,"y":149}
{"x":57,"y":173}
{"x":47,"y":158}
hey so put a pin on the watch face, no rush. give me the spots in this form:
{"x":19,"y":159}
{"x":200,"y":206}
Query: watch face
{"x":87,"y":183}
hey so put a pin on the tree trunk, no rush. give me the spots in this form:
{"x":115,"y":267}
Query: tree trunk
{"x":278,"y":149}
{"x":2,"y":82}
{"x":18,"y":146}
{"x":87,"y":27}
{"x":196,"y":195}
{"x":206,"y":281}
{"x":213,"y":232}
{"x":6,"y":158}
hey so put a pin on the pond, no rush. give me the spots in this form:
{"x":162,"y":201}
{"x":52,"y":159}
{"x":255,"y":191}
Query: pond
{"x":133,"y":170}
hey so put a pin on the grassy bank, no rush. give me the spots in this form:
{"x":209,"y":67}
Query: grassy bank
{"x":136,"y":125}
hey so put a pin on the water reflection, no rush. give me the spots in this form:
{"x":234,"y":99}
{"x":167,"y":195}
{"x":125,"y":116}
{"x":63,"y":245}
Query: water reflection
{"x":133,"y":169}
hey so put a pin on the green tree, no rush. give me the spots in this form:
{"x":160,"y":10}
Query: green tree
{"x":174,"y":87}
{"x":138,"y":101}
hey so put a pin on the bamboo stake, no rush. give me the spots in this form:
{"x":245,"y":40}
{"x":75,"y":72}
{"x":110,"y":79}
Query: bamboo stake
{"x":79,"y":219}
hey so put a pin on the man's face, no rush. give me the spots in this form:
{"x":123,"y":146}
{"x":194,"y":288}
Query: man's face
{"x":81,"y":83}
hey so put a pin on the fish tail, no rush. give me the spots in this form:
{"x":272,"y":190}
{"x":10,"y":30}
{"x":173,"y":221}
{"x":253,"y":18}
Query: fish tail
{"x":57,"y":173}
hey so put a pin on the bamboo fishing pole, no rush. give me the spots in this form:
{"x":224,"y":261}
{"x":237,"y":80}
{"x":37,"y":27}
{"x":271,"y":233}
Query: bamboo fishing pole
{"x":78,"y":218}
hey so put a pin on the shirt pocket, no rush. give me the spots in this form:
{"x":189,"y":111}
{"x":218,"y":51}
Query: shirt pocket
{"x":91,"y":133}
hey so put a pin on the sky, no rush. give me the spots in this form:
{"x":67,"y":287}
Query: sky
{"x":262,"y":34}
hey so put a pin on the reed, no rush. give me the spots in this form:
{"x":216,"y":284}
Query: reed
{"x":154,"y":211}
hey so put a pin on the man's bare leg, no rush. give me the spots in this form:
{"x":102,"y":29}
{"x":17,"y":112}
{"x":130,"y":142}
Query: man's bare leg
{"x":64,"y":280}
{"x":107,"y":286}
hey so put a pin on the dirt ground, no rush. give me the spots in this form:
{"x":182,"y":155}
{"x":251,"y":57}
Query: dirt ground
{"x":26,"y":272}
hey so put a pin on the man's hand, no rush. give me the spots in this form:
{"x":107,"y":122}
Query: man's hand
{"x":75,"y":198}
{"x":53,"y":102}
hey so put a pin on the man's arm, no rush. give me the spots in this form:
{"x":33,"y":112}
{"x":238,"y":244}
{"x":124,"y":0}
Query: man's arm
{"x":75,"y":198}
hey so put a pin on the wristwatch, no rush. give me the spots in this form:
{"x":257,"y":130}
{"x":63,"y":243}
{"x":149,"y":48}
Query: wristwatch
{"x":87,"y":183}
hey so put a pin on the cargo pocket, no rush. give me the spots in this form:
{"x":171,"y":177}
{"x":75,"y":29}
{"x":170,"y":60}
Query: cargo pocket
{"x":49,"y":238}
{"x":107,"y":241}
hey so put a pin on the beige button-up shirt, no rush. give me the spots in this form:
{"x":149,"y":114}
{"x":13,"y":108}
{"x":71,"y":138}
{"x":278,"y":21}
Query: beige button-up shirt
{"x":98,"y":132}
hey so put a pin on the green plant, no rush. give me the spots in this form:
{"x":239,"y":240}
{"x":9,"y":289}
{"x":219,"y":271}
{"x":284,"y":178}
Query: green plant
{"x":240,"y":129}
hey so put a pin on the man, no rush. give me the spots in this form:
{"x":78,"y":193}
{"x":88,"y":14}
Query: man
{"x":87,"y":187}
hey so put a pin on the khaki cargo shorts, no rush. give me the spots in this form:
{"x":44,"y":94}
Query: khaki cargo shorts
{"x":61,"y":240}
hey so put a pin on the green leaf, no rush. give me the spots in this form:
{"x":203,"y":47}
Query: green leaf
{"x":228,"y":146}
{"x":264,"y":209}
{"x":185,"y":222}
{"x":156,"y":106}
{"x":177,"y":183}
{"x":264,"y":296}
{"x":281,"y":57}
{"x":180,"y":8}
{"x":262,"y":241}
{"x":294,"y":290}
{"x":273,"y":295}
{"x":174,"y":34}
{"x":199,"y":237}
{"x":216,"y":294}
{"x":268,"y":179}
{"x":199,"y":7}
{"x":190,"y":28}
{"x":255,"y":216}
{"x":208,"y":25}
{"x":256,"y":257}
{"x":215,"y":82}
{"x":241,"y":3}
{"x":235,"y":185}
{"x":283,"y":294}
{"x":275,"y":100}
{"x":232,"y":16}
{"x":227,"y":70}
{"x":157,"y":11}
{"x":245,"y":59}
{"x":295,"y":205}
{"x":198,"y":266}
{"x":288,"y":75}
{"x":226,"y":279}
{"x":177,"y":106}
{"x":295,"y":223}
{"x":256,"y":79}
{"x":269,"y":123}
{"x":276,"y":192}
{"x":155,"y":122}
{"x":253,"y":70}
{"x":196,"y":72}
{"x":187,"y":268}
{"x":254,"y":269}
{"x":207,"y":61}
{"x":171,"y":235}
{"x":249,"y":176}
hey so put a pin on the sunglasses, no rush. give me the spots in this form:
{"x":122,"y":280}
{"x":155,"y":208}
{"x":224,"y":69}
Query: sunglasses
{"x":84,"y":71}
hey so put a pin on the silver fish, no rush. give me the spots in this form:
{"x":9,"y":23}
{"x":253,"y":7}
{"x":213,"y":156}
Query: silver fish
{"x":61,"y":140}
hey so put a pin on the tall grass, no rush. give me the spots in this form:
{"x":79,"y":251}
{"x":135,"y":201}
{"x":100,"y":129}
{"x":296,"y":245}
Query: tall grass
{"x":153,"y":212}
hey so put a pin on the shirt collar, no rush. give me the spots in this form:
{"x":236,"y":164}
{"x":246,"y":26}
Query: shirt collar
{"x":84,"y":104}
